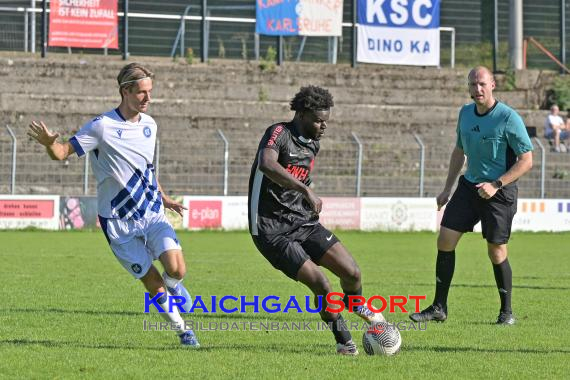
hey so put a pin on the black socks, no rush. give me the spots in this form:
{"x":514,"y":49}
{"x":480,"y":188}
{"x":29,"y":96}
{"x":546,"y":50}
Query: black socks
{"x":340,"y":330}
{"x":504,"y":279}
{"x":444,"y":269}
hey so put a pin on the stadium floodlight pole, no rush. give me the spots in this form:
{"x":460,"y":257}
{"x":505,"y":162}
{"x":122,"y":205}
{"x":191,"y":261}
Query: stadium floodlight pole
{"x":125,"y":29}
{"x":542,"y":166}
{"x":354,"y":36}
{"x":563,"y":34}
{"x":279,"y":50}
{"x":26,"y":27}
{"x":256,"y":46}
{"x":44,"y":28}
{"x":203,"y":40}
{"x":226,"y":160}
{"x":14,"y":143}
{"x":515,"y":34}
{"x":358,"y":163}
{"x":495,"y":34}
{"x":33,"y":26}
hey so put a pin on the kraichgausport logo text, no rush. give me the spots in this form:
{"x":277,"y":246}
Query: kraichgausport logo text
{"x":273,"y":304}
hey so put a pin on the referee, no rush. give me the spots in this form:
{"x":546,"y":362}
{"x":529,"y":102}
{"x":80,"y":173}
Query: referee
{"x":493,"y":137}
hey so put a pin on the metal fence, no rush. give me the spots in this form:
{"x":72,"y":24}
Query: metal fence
{"x":171,"y":27}
{"x":219,"y":162}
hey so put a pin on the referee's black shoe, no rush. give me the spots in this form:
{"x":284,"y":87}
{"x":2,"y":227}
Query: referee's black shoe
{"x":432,"y":313}
{"x":506,"y":318}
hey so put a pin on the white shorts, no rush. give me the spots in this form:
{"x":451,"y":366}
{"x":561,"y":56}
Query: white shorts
{"x":136,"y":243}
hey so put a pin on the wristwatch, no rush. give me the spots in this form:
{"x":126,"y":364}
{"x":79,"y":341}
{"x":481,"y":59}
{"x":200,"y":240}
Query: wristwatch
{"x":498,"y":184}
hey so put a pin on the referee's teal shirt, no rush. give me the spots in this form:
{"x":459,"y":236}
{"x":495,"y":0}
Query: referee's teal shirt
{"x":491,"y":141}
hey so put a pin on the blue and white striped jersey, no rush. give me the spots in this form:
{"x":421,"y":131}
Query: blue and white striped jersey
{"x":121,"y":155}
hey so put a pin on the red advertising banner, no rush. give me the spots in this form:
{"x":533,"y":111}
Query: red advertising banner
{"x":205,"y":214}
{"x":26,"y":209}
{"x":83,"y":23}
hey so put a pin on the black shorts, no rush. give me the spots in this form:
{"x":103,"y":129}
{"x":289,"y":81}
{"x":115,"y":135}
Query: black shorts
{"x":288,"y":252}
{"x":466,"y":208}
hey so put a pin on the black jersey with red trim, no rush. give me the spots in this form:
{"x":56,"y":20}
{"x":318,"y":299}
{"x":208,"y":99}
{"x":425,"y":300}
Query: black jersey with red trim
{"x":272,"y":208}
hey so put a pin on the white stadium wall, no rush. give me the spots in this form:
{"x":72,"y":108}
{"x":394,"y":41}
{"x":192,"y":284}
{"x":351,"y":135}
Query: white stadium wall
{"x":374,"y":214}
{"x":230,"y":213}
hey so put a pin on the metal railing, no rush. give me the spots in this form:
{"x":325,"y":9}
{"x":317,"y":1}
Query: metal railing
{"x":226,"y":160}
{"x":14,"y":154}
{"x":358,"y":163}
{"x":542,"y":166}
{"x":377,"y":166}
{"x":422,"y":162}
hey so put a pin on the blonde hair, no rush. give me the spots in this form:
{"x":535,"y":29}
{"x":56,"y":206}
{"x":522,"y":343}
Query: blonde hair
{"x":131,"y":74}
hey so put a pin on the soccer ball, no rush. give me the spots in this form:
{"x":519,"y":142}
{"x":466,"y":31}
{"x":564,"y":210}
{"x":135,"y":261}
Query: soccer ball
{"x":382,"y":338}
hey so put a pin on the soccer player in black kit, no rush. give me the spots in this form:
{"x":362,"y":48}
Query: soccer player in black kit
{"x":284,"y":211}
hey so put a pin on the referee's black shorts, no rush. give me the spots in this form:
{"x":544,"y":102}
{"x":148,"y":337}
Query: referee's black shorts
{"x":466,"y":208}
{"x":288,"y":252}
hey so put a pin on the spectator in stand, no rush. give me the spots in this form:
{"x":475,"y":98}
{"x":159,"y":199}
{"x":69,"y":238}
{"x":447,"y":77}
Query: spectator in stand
{"x":555,"y":129}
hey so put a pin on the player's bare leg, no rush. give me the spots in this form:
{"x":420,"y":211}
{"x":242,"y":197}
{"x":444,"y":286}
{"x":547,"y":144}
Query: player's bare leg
{"x":154,"y":283}
{"x":312,"y":276}
{"x":338,"y":260}
{"x":174,"y":272}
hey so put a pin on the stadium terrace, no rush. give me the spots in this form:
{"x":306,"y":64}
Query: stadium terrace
{"x":273,"y":304}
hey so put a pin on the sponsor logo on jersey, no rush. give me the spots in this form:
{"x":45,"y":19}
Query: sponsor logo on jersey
{"x":298,"y":172}
{"x":274,"y":135}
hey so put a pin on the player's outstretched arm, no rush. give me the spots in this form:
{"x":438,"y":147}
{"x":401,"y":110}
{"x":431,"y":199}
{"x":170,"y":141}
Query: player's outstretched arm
{"x":170,"y":203}
{"x":269,"y":165}
{"x":57,"y":151}
{"x":456,"y":163}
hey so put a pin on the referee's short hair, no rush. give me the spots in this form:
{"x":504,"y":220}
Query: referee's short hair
{"x":313,"y":98}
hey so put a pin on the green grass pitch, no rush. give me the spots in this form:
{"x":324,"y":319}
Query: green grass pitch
{"x":69,"y":310}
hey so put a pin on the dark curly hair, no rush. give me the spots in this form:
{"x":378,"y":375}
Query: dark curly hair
{"x":312,"y":98}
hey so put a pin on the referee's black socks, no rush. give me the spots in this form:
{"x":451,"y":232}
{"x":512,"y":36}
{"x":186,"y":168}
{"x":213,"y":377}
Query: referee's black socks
{"x":504,"y":279}
{"x":444,"y":268}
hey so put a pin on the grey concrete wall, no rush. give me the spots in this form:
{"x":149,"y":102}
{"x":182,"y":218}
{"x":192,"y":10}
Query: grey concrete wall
{"x":382,"y":104}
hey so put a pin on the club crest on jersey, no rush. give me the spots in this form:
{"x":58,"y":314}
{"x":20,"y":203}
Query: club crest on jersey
{"x":136,"y":268}
{"x":147,"y":131}
{"x":119,"y":132}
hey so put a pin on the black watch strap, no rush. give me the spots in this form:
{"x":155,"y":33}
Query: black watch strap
{"x":498,"y":184}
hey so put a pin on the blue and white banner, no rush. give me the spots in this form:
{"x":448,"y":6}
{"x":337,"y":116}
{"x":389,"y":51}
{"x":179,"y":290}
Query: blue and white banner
{"x":299,"y":17}
{"x":399,"y":32}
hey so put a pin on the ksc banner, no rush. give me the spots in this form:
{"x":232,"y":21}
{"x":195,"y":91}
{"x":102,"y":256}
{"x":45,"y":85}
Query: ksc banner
{"x":399,"y":32}
{"x":299,"y":17}
{"x":83,"y":23}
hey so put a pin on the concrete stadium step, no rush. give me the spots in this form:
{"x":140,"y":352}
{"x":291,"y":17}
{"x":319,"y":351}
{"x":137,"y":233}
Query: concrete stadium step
{"x":244,"y":81}
{"x":61,"y":66}
{"x":213,"y":108}
{"x":259,"y":92}
{"x":354,"y":113}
